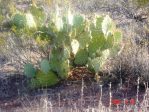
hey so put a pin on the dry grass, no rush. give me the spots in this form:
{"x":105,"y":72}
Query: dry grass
{"x":44,"y":104}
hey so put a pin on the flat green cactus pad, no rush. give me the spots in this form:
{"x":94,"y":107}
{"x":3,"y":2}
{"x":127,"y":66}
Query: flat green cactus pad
{"x":81,"y":57}
{"x":44,"y":80}
{"x":45,"y":66}
{"x":19,"y":21}
{"x":29,"y":70}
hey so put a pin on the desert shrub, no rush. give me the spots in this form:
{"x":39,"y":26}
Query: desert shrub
{"x":72,"y":40}
{"x":129,"y":65}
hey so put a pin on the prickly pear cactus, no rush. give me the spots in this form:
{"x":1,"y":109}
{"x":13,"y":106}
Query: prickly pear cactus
{"x":44,"y":80}
{"x":19,"y":21}
{"x":73,"y":39}
{"x":59,"y":62}
{"x":105,"y":42}
{"x":96,"y":44}
{"x":45,"y":66}
{"x":29,"y":70}
{"x":81,"y":57}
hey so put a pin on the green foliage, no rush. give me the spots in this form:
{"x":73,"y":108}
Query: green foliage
{"x":44,"y":80}
{"x":1,"y":19}
{"x":63,"y":70}
{"x":84,"y":39}
{"x":45,"y":66}
{"x":105,"y":40}
{"x":98,"y":60}
{"x":66,"y":53}
{"x":109,"y":41}
{"x":29,"y":70}
{"x":97,"y":40}
{"x":19,"y":21}
{"x":94,"y":64}
{"x":104,"y":56}
{"x":81,"y":57}
{"x":99,"y":21}
{"x":38,"y":14}
{"x":3,"y":37}
{"x":59,"y":62}
{"x":141,"y":2}
{"x":118,"y":37}
{"x":44,"y":34}
{"x":78,"y":21}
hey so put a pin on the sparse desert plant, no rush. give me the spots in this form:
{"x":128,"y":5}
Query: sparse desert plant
{"x":129,"y":65}
{"x":141,"y":2}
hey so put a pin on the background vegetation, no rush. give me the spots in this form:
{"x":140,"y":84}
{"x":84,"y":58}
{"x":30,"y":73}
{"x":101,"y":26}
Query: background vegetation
{"x":37,"y":38}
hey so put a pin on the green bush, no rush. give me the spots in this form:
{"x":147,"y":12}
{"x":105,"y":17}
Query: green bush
{"x":73,"y":39}
{"x":44,"y":80}
{"x":19,"y":21}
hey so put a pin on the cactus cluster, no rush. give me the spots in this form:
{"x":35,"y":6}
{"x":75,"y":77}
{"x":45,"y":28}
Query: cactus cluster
{"x":74,"y":41}
{"x":101,"y":39}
